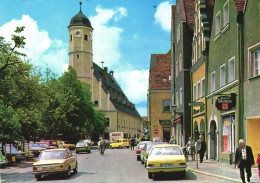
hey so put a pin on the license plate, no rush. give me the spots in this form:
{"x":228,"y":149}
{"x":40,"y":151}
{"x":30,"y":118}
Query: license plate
{"x":167,"y":165}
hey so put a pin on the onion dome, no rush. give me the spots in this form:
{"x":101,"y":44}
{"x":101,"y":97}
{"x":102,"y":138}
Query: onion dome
{"x":80,"y":20}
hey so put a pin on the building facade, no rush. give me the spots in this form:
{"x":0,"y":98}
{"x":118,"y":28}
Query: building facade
{"x":181,"y":61}
{"x":107,"y":95}
{"x":250,"y":57}
{"x":159,"y":97}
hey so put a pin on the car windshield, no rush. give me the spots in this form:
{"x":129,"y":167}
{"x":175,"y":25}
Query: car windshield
{"x":81,"y":143}
{"x":141,"y":145}
{"x":47,"y":155}
{"x":35,"y":145}
{"x":166,"y":151}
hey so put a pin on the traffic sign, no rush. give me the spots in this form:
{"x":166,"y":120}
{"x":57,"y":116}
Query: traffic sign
{"x":156,"y":131}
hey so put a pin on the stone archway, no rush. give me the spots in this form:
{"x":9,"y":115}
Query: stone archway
{"x":202,"y":127}
{"x":213,"y":140}
{"x":196,"y":131}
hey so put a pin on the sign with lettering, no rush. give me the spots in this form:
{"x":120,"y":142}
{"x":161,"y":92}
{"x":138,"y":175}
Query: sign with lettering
{"x":226,"y":102}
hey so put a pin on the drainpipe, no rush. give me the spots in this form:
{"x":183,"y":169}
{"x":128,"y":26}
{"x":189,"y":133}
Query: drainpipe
{"x":240,"y":53}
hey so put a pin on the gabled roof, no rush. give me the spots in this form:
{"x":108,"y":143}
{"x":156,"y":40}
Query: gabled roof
{"x":160,"y":70}
{"x":240,"y":5}
{"x":117,"y":96}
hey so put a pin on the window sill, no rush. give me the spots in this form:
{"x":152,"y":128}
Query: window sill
{"x":254,"y":77}
{"x":217,"y":37}
{"x":226,"y":27}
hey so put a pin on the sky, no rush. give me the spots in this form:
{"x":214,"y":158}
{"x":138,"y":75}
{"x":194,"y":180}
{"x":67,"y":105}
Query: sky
{"x":126,"y":33}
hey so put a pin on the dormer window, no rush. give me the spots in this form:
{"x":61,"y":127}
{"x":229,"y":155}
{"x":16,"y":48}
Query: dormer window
{"x":86,"y":37}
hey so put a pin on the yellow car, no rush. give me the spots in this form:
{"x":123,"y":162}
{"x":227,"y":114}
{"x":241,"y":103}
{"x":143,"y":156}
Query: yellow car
{"x":55,"y":161}
{"x":65,"y":144}
{"x":166,"y":158}
{"x":120,"y":143}
{"x":145,"y":151}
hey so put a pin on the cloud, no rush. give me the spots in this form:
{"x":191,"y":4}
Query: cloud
{"x":163,"y":16}
{"x":134,"y":83}
{"x":106,"y":39}
{"x":39,"y":48}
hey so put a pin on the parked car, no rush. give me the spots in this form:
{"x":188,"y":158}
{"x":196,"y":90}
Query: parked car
{"x":146,"y":150}
{"x":52,"y":143}
{"x":10,"y":152}
{"x":55,"y":161}
{"x":65,"y":144}
{"x":120,"y":143}
{"x":45,"y":145}
{"x":83,"y":147}
{"x":139,"y":148}
{"x":35,"y":149}
{"x":3,"y":160}
{"x":166,"y":158}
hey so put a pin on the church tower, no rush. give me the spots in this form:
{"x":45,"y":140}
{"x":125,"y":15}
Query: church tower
{"x":80,"y":47}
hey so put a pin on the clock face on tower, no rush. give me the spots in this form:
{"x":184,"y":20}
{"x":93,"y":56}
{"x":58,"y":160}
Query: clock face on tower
{"x":77,"y":32}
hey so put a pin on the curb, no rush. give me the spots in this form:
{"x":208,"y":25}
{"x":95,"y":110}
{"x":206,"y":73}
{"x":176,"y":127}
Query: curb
{"x":214,"y":175}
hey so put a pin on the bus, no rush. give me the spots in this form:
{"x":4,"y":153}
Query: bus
{"x":113,"y":136}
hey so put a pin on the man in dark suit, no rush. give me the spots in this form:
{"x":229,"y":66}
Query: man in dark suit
{"x":201,"y":145}
{"x":244,"y":159}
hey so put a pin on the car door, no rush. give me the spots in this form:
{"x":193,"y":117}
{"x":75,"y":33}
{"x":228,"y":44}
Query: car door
{"x":72,"y":159}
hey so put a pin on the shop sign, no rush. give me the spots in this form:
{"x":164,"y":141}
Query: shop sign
{"x":165,"y":122}
{"x":226,"y":102}
{"x":156,"y":131}
{"x":178,"y":120}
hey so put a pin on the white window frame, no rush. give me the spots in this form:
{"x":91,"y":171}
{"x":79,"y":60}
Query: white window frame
{"x":177,"y":99}
{"x":222,"y":76}
{"x":213,"y":84}
{"x":194,"y":92}
{"x":180,"y":63}
{"x":251,"y":63}
{"x":231,"y":74}
{"x":180,"y":96}
{"x":217,"y":23}
{"x":226,"y":14}
{"x":203,"y":89}
{"x":177,"y":68}
{"x":254,"y":60}
{"x":199,"y":90}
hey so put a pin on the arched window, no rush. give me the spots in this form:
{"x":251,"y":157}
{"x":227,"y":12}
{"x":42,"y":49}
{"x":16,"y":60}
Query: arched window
{"x":77,"y":55}
{"x":86,"y":37}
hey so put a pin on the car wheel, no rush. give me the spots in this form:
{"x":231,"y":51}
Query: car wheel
{"x":150,"y":175}
{"x":183,"y":174}
{"x":75,"y":170}
{"x":68,"y":172}
{"x":120,"y":147}
{"x":38,"y":177}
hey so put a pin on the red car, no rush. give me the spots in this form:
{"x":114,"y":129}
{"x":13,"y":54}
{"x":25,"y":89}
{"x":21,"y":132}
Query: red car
{"x":140,"y":147}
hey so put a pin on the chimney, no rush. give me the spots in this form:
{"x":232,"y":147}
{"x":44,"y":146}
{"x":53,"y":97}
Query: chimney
{"x":105,"y":73}
{"x":111,"y":73}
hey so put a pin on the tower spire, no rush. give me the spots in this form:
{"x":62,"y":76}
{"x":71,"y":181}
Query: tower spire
{"x":80,"y":3}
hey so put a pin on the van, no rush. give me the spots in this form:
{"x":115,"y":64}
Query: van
{"x":120,"y":143}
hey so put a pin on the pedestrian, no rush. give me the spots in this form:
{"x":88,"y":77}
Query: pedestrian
{"x":102,"y":145}
{"x":132,"y":143}
{"x":191,"y":147}
{"x":244,"y":159}
{"x":258,"y":163}
{"x":172,"y":140}
{"x":201,"y":145}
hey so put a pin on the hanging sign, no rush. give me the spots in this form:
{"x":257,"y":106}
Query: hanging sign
{"x":226,"y":102}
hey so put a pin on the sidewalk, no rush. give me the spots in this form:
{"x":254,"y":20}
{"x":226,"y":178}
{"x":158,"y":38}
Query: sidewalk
{"x":220,"y":170}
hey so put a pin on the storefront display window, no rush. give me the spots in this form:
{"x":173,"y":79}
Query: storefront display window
{"x":227,"y":139}
{"x":226,"y":134}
